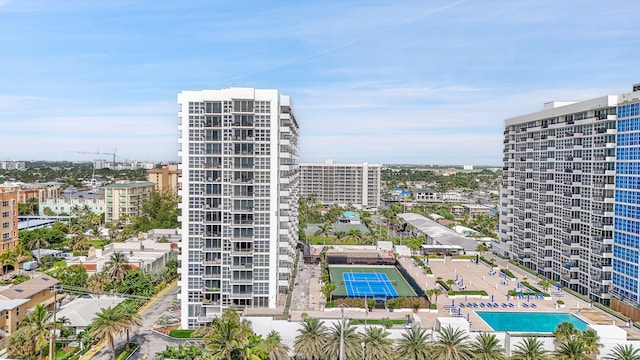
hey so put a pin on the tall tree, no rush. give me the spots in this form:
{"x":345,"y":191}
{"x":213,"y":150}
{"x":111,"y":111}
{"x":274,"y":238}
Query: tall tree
{"x":350,"y":340}
{"x":572,"y":349}
{"x":37,"y":242}
{"x":623,"y":352}
{"x":487,"y":347}
{"x":159,"y":211}
{"x":452,"y":344}
{"x":38,"y":327}
{"x":377,"y":344}
{"x":130,"y":317}
{"x":413,"y":345}
{"x":107,"y":323}
{"x":273,"y":348}
{"x":531,"y":348}
{"x":117,"y":266}
{"x":310,"y":342}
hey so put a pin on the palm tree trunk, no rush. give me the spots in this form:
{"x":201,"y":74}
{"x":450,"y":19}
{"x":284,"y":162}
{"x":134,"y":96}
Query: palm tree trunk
{"x":127,"y":346}
{"x":113,"y":347}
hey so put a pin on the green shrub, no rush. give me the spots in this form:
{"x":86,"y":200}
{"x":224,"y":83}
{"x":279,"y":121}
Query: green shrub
{"x":433,"y":306}
{"x":530,"y":287}
{"x":560,"y":302}
{"x":508,"y":273}
{"x":444,"y":285}
{"x":469,"y":292}
{"x":181,"y":333}
{"x":488,"y":262}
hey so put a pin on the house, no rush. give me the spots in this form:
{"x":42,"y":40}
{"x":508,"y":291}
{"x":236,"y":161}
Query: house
{"x":425,"y":195}
{"x":16,"y":301}
{"x":81,"y":311}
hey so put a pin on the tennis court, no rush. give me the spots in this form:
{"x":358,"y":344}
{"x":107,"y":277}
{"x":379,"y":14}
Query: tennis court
{"x":377,"y":282}
{"x":372,"y":285}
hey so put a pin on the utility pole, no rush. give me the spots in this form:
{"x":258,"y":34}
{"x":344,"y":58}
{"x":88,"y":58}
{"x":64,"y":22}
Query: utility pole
{"x":52,"y":343}
{"x":342,"y":335}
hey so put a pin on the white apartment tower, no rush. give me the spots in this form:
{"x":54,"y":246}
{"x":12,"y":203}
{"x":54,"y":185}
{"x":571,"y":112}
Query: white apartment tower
{"x":557,"y":195}
{"x":341,"y":184}
{"x":239,"y":200}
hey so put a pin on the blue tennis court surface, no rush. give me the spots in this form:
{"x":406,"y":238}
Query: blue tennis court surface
{"x":373,"y":285}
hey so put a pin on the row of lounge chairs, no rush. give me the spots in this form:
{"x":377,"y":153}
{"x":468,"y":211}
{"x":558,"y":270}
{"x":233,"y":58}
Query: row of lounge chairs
{"x":495,"y":305}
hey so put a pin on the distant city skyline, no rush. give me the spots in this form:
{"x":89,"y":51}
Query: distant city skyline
{"x":408,"y":82}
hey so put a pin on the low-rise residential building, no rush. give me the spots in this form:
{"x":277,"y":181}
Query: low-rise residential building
{"x":16,"y":301}
{"x":81,"y":312}
{"x":473,"y":210}
{"x":427,"y":195}
{"x":67,"y":205}
{"x":126,"y":198}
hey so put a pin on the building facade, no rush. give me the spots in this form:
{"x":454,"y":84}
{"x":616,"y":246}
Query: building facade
{"x":557,"y":197}
{"x":341,"y":184}
{"x":239,"y":191}
{"x":125,"y":198}
{"x":165,"y":178}
{"x":68,"y":205}
{"x":626,"y":235}
{"x":9,"y":218}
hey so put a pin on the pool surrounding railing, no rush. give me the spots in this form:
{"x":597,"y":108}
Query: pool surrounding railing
{"x":529,"y":321}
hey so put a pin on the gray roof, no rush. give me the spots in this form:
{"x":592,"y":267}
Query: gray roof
{"x":436,"y":233}
{"x":11,"y":304}
{"x":82,"y":311}
{"x":29,"y":288}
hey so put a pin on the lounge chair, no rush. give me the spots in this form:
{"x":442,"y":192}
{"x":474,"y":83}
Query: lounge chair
{"x":495,"y":305}
{"x":504,"y":305}
{"x":489,"y":305}
{"x":525,"y":305}
{"x":534,"y":306}
{"x":482,"y":304}
{"x":511,"y":305}
{"x":461,"y":305}
{"x":475,"y":304}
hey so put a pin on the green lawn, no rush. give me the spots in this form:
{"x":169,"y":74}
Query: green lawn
{"x":399,"y":283}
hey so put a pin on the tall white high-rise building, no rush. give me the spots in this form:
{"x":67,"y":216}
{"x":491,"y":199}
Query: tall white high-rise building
{"x":341,"y":184}
{"x":239,"y":200}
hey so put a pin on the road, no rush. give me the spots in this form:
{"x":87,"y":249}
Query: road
{"x":149,"y":341}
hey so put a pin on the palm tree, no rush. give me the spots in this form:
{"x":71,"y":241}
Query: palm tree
{"x":350,"y":339}
{"x":21,"y":255}
{"x":623,"y":352}
{"x":546,"y":284}
{"x":591,"y":342}
{"x":107,"y":323}
{"x":354,"y":234}
{"x":225,"y":340}
{"x":309,"y":344}
{"x":37,"y":242}
{"x":323,"y":230}
{"x":130,"y":317}
{"x":572,"y":349}
{"x":377,"y":345}
{"x":97,"y":282}
{"x":37,"y":327}
{"x":530,"y":349}
{"x":273,"y":348}
{"x":20,"y":345}
{"x":8,"y":259}
{"x":339,"y":235}
{"x":565,"y":331}
{"x":487,"y":347}
{"x":452,"y":344}
{"x":117,"y":266}
{"x":413,"y":345}
{"x":328,"y":289}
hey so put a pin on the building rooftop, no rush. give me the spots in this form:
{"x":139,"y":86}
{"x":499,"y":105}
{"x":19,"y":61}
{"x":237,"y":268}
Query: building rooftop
{"x":130,"y":185}
{"x":82,"y":311}
{"x":11,"y":304}
{"x":437,"y":233}
{"x":29,"y":288}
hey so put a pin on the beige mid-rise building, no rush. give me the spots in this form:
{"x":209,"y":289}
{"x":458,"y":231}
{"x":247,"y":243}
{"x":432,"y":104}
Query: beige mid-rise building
{"x":126,"y":198}
{"x":9,"y":218}
{"x":166,"y":178}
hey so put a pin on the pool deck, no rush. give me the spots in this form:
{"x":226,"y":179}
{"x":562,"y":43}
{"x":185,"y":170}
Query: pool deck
{"x":309,"y":299}
{"x":477,"y":277}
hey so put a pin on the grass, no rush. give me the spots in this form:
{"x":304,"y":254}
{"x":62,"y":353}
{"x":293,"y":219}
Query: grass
{"x":402,"y":287}
{"x":60,"y":263}
{"x":62,"y":354}
{"x":98,"y":244}
{"x":181,"y":333}
{"x":125,"y":353}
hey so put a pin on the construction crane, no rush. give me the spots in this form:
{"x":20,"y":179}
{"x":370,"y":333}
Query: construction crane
{"x":97,"y":152}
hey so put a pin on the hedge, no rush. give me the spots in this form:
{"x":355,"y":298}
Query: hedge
{"x":530,"y":287}
{"x":469,"y":292}
{"x":486,"y":261}
{"x":181,"y":333}
{"x":444,"y":285}
{"x":507,"y":272}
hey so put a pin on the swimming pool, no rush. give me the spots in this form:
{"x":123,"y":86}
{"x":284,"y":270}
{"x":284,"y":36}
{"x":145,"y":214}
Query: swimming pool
{"x":529,"y":321}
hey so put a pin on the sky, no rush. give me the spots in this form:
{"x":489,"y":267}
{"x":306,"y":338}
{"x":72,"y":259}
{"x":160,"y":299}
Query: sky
{"x":404,"y":82}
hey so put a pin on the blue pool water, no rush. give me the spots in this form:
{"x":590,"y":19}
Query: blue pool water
{"x":528,"y":321}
